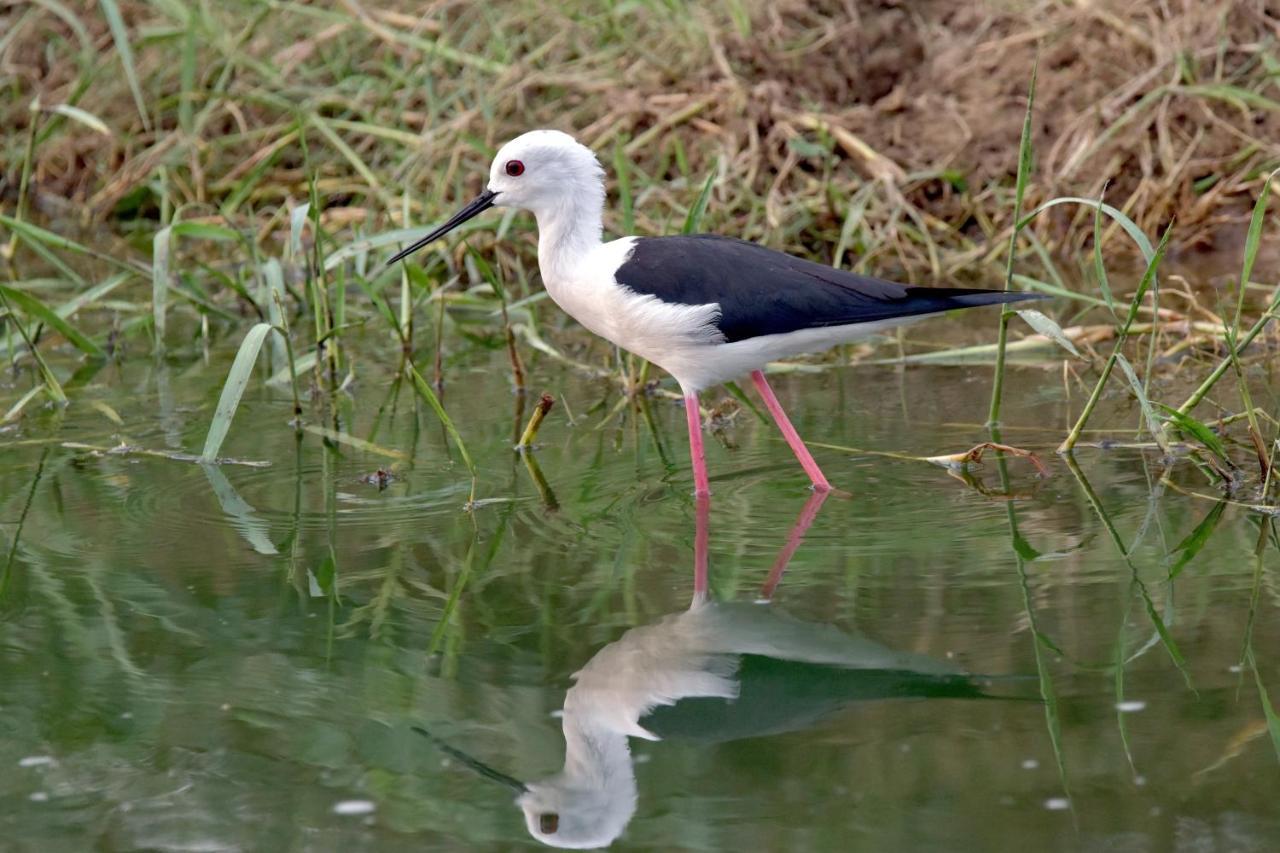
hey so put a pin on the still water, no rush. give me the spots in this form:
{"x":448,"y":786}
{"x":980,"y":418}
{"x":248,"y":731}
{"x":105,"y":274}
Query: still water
{"x":290,"y":658}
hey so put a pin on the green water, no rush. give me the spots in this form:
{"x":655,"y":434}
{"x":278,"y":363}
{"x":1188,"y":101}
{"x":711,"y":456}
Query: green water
{"x":233,"y":659}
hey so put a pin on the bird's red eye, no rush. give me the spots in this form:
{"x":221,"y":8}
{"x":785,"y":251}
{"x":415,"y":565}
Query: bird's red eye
{"x":515,"y":168}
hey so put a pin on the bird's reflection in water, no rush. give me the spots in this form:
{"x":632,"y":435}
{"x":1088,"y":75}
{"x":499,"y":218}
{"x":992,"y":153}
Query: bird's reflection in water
{"x":717,"y":671}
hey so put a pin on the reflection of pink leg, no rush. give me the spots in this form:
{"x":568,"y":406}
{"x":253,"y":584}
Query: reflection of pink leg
{"x":789,"y":432}
{"x":807,"y":514}
{"x":700,"y":486}
{"x":702,"y":524}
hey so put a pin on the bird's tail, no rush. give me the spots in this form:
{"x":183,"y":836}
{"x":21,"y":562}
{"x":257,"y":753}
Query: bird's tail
{"x":970,"y":298}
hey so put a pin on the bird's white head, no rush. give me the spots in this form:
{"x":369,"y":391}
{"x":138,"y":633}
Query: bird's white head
{"x":543,"y":170}
{"x":575,"y":813}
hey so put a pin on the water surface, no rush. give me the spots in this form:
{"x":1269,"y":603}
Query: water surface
{"x":235,"y":658}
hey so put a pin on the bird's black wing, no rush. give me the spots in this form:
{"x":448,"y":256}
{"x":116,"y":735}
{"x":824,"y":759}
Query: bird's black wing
{"x":776,"y":696}
{"x":763,"y":292}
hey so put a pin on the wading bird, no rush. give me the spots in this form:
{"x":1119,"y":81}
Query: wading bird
{"x":704,"y":308}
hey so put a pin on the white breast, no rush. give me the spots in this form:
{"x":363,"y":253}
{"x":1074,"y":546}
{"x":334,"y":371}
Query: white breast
{"x":675,"y":337}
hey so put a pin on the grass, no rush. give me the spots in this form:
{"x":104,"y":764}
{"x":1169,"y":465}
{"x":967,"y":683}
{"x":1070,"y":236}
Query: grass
{"x":272,"y":168}
{"x":184,"y":182}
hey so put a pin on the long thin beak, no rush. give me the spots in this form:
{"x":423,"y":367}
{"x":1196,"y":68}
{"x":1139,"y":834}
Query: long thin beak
{"x":479,"y":204}
{"x":474,"y":763}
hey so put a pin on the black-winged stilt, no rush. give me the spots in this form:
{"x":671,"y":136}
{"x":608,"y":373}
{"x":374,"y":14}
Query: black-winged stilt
{"x":706,"y":309}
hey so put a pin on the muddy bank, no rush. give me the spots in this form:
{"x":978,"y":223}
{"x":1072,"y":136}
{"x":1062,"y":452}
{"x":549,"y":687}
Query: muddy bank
{"x":887,"y":129}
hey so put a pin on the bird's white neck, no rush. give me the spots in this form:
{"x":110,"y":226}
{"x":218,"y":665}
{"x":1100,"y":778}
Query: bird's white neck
{"x":569,"y":229}
{"x":598,"y":755}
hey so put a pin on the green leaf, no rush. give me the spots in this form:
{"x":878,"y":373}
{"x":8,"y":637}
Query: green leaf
{"x":367,"y":244}
{"x":1148,"y":413}
{"x":1252,"y":241}
{"x":37,"y":310}
{"x":1049,"y":329}
{"x":204,"y":231}
{"x":233,"y":389}
{"x":1025,"y":154}
{"x":1193,"y":427}
{"x":1100,"y":268}
{"x":1147,"y":282}
{"x":424,"y":391}
{"x":1130,"y":227}
{"x":1273,"y":719}
{"x":1232,"y":94}
{"x":35,"y":235}
{"x":297,"y":220}
{"x":694,"y":218}
{"x":51,"y":382}
{"x":1196,"y":539}
{"x":121,"y":37}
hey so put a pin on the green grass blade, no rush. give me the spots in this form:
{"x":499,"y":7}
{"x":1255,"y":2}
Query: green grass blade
{"x":204,"y":231}
{"x":626,"y":200}
{"x":120,"y":35}
{"x":160,"y":281}
{"x":1118,"y":682}
{"x":51,"y":382}
{"x":1148,"y":278}
{"x":1100,"y":268}
{"x":1235,"y":95}
{"x":694,"y":218}
{"x":1202,"y":433}
{"x":1148,"y":413}
{"x":1196,"y":539}
{"x":1252,"y":241}
{"x":37,"y":310}
{"x":18,"y":407}
{"x":1029,"y":283}
{"x":368,"y":244}
{"x":738,"y":394}
{"x":424,"y":391}
{"x":298,"y":221}
{"x":34,"y":235}
{"x":348,"y":153}
{"x":1049,"y":329}
{"x":1130,"y":227}
{"x":1273,"y":719}
{"x":187,"y":78}
{"x":237,"y":379}
{"x":1025,"y":156}
{"x":272,"y":298}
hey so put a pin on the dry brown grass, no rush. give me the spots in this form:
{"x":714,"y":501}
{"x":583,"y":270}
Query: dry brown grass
{"x":886,"y":129}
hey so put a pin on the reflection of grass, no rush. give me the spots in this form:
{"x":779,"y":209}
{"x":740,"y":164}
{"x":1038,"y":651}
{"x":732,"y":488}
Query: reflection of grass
{"x":1022,"y":553}
{"x":6,"y":577}
{"x":1136,"y":583}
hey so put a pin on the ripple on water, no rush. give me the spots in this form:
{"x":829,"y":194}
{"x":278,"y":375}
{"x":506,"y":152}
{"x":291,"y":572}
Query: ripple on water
{"x":144,"y":506}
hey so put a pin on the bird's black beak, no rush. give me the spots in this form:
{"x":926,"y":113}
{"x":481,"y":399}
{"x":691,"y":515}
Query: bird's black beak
{"x":478,"y":205}
{"x":474,"y":763}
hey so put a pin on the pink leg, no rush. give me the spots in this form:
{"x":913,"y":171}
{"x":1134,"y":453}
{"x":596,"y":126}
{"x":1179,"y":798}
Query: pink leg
{"x":811,"y":468}
{"x":702,"y":519}
{"x":807,"y":514}
{"x":701,"y":488}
